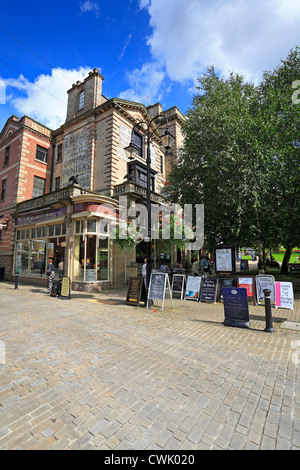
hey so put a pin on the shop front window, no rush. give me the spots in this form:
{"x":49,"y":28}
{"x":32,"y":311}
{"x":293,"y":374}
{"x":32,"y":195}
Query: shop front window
{"x":33,"y":249}
{"x":78,"y":257}
{"x":37,"y":257}
{"x":103,"y":261}
{"x":22,"y":257}
{"x":91,"y":258}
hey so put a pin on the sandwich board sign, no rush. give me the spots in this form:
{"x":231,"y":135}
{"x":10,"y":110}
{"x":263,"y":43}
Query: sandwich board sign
{"x":247,"y":282}
{"x":209,"y":290}
{"x":264,"y":282}
{"x":193,"y":286}
{"x":284,"y":295}
{"x":136,"y":291}
{"x":159,"y":282}
{"x":236,"y":308}
{"x":65,"y":287}
{"x":178,"y":283}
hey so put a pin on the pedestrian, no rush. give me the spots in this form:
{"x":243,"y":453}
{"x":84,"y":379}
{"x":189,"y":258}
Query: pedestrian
{"x":144,"y":272}
{"x":50,"y":273}
{"x":195,"y":268}
{"x":203,"y":264}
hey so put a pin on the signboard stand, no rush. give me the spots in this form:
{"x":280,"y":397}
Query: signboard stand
{"x":225,"y":259}
{"x":248,"y":283}
{"x":236,"y":308}
{"x":136,"y":291}
{"x":209,"y":290}
{"x":284,"y":295}
{"x":65,"y":287}
{"x":264,"y":281}
{"x":178,"y":284}
{"x":193,"y":287}
{"x":228,"y":281}
{"x":159,"y":282}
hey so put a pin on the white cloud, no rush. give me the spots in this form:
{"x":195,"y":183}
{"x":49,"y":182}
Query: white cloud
{"x":233,"y":35}
{"x":89,"y":6}
{"x":45,"y":99}
{"x":146,"y":83}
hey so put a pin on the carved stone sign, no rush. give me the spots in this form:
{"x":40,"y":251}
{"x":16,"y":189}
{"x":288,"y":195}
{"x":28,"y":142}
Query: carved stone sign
{"x":77,"y":158}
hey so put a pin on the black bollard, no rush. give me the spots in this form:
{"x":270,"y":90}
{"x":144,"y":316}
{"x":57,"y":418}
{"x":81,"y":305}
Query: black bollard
{"x":16,"y":281}
{"x":268,"y":311}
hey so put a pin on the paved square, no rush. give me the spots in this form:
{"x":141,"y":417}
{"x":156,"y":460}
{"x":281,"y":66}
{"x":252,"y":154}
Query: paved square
{"x":94,"y":373}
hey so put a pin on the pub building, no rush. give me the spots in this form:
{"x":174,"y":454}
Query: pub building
{"x":65,"y":226}
{"x":57,"y":183}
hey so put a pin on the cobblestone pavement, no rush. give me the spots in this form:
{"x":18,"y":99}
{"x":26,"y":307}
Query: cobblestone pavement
{"x":94,"y":373}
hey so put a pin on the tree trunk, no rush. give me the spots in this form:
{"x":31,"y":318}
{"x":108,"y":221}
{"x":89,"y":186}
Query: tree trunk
{"x":286,"y":258}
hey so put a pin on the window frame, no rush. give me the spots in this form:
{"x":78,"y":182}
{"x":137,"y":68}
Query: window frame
{"x":3,"y":189}
{"x":7,"y":155}
{"x":43,"y":152}
{"x":34,"y":187}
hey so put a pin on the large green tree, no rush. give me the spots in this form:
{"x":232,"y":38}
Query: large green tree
{"x":241,"y":158}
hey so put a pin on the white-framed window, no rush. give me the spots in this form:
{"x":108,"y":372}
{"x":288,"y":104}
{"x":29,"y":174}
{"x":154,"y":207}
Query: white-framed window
{"x":81,"y":100}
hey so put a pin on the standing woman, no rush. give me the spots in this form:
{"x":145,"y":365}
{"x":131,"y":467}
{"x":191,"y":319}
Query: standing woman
{"x":50,"y":273}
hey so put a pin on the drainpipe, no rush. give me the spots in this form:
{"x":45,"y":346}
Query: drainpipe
{"x":52,"y":168}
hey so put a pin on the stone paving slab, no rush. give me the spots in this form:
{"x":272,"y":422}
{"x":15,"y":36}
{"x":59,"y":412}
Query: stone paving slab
{"x":94,"y":373}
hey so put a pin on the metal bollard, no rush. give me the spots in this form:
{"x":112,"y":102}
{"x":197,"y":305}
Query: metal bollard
{"x":268,"y":311}
{"x":16,"y":281}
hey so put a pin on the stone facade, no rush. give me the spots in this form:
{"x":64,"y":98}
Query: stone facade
{"x":87,"y":149}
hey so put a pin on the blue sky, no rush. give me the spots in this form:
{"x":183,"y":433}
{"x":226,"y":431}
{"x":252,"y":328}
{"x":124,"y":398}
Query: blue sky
{"x":147,"y":50}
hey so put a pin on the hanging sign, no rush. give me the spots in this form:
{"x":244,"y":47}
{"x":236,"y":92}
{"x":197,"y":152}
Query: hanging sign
{"x":236,"y":309}
{"x":209,"y":290}
{"x":284,"y":295}
{"x":192,"y":290}
{"x":264,"y":282}
{"x":178,"y":283}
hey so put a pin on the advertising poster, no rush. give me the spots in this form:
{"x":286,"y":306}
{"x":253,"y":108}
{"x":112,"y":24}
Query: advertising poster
{"x":265,"y":282}
{"x":248,"y":284}
{"x":224,"y":257}
{"x":192,"y":291}
{"x":284,"y":295}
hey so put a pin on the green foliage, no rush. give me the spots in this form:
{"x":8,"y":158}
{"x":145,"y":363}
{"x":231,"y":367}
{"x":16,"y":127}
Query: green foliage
{"x":241,"y":157}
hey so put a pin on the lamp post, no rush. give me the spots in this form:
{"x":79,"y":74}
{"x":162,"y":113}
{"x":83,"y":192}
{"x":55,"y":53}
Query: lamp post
{"x":167,"y":141}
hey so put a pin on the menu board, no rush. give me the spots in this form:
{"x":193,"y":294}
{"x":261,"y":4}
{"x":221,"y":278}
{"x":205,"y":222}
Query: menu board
{"x":65,"y":287}
{"x":284,"y":295}
{"x":236,"y":309}
{"x":247,"y":283}
{"x":192,"y":290}
{"x":226,"y":282}
{"x":209,"y":290}
{"x":157,"y":286}
{"x":178,"y":282}
{"x":264,"y":282}
{"x":225,"y":262}
{"x":136,"y":287}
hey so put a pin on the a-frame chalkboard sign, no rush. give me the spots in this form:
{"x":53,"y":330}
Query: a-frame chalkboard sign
{"x":159,"y":282}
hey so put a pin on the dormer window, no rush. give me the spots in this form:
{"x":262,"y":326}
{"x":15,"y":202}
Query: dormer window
{"x":81,"y":100}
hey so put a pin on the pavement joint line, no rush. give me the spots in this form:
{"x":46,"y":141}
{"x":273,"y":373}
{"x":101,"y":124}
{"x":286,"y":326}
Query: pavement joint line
{"x":93,"y":372}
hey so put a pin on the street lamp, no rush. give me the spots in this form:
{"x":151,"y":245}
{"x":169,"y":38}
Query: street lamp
{"x":167,"y":141}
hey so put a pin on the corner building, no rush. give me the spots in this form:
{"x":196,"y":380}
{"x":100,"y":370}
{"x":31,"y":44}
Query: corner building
{"x":63,"y":184}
